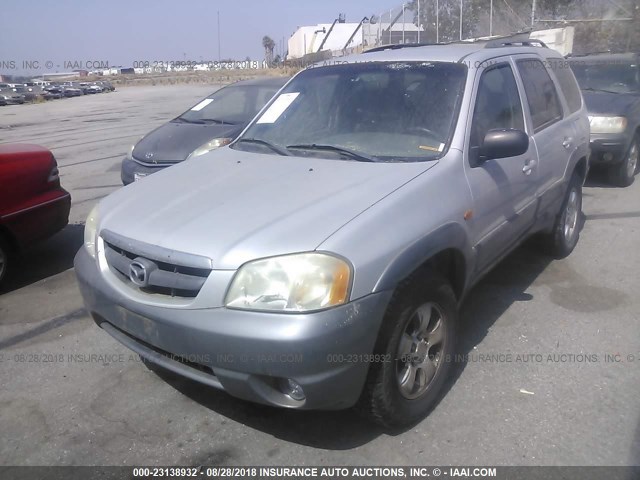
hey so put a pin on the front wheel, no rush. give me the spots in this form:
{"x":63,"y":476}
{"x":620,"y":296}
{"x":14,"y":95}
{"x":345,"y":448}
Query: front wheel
{"x":418,"y":336}
{"x":623,"y":173}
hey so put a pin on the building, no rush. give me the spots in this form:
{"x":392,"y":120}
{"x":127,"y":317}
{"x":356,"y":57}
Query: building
{"x":341,"y":38}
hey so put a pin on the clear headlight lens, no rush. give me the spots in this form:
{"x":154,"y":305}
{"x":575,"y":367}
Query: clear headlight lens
{"x":601,"y":124}
{"x":210,"y":145}
{"x":90,"y":232}
{"x":291,"y":283}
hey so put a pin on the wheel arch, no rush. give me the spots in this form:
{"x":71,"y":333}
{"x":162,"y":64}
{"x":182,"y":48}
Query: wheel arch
{"x":445,"y":251}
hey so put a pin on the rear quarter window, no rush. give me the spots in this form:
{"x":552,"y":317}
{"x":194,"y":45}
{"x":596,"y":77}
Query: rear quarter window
{"x":542,"y":97}
{"x":567,"y":81}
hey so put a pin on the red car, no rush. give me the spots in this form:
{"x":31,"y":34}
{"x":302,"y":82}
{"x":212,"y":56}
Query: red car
{"x":33,"y":205}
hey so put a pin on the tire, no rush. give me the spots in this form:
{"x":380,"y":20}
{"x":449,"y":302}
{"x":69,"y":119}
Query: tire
{"x":5,"y":259}
{"x":623,"y":173}
{"x":566,"y":230}
{"x":422,"y":318}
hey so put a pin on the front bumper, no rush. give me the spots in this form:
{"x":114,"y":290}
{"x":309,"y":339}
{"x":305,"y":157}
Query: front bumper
{"x":130,"y":168}
{"x":247,"y":354}
{"x":608,"y":149}
{"x":42,"y":218}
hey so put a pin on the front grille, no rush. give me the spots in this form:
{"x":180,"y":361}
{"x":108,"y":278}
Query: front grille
{"x":165,"y":272}
{"x":153,"y":163}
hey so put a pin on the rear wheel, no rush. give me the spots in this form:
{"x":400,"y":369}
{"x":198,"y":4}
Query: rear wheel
{"x":417,"y":338}
{"x":566,"y":231}
{"x":623,"y":173}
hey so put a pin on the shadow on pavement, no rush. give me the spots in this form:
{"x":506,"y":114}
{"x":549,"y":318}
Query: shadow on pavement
{"x":343,"y":430}
{"x":44,"y":259}
{"x":598,"y":178}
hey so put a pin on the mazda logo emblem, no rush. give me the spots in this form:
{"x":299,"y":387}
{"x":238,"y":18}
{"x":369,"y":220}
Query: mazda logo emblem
{"x":148,"y":155}
{"x":138,"y":274}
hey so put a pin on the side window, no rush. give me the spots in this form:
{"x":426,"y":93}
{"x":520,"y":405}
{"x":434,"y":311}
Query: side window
{"x":497,"y":104}
{"x":567,"y":83}
{"x":542,"y":97}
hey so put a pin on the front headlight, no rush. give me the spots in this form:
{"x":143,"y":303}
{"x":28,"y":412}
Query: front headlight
{"x":90,"y":232}
{"x":210,"y":145}
{"x":607,"y":124}
{"x":291,"y":283}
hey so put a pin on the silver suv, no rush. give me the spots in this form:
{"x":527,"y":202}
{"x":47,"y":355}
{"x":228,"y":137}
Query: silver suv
{"x":319,"y":261}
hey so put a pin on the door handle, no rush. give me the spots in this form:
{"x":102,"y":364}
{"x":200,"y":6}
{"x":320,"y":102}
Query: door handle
{"x":529,"y":166}
{"x":566,"y":143}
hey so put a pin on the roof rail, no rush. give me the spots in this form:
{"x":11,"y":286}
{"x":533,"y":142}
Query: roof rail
{"x":397,"y":46}
{"x":521,"y":39}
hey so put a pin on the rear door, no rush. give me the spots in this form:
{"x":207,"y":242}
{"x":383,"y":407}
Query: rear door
{"x":504,"y":189}
{"x":553,"y":127}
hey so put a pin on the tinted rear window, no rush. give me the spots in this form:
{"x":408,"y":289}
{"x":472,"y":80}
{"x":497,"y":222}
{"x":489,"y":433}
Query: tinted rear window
{"x":567,"y":82}
{"x":542,"y":96}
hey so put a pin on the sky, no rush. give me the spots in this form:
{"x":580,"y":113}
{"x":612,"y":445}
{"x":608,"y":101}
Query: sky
{"x":121,"y":32}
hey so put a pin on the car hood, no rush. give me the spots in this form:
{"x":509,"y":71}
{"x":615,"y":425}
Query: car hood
{"x":610,"y":103}
{"x":234,"y":206}
{"x":174,"y":141}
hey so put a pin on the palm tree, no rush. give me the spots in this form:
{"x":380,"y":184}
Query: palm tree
{"x":268,"y":44}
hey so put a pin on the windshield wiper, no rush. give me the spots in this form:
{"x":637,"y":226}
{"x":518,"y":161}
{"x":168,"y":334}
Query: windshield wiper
{"x":361,"y":157}
{"x":258,"y":141}
{"x":591,"y":89}
{"x":215,"y":120}
{"x":188,"y":121}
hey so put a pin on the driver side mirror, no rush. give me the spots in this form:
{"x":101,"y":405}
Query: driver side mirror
{"x":502,"y":143}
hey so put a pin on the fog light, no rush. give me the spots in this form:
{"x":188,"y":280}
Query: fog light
{"x":608,"y":156}
{"x":292,"y":388}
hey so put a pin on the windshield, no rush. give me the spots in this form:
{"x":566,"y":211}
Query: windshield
{"x":379,"y":111}
{"x":232,"y":105}
{"x":618,"y":77}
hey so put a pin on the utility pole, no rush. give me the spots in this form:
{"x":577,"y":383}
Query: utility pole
{"x":634,"y":38}
{"x":491,"y":18}
{"x":419,"y":21}
{"x":403,"y":23}
{"x":437,"y":21}
{"x":533,"y":13}
{"x":460,"y":19}
{"x":219,"y":56}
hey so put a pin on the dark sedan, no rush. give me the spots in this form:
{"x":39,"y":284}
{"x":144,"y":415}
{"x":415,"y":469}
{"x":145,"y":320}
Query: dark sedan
{"x":211,"y":123}
{"x":610,"y":85}
{"x":10,"y":97}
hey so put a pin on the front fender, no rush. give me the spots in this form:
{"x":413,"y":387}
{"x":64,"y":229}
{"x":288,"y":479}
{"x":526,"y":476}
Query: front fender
{"x":451,"y":236}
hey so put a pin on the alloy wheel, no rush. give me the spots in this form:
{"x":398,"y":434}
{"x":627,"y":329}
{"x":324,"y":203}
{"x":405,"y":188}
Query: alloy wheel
{"x":419,"y":351}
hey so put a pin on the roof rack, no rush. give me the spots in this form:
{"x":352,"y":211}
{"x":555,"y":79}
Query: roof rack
{"x":397,"y":46}
{"x":604,"y":52}
{"x":518,"y":40}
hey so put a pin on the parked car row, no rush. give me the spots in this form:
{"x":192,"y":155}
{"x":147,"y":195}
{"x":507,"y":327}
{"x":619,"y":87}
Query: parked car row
{"x":212,"y":123}
{"x":17,"y":94}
